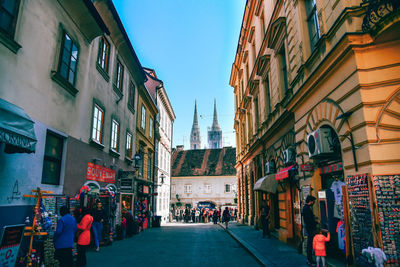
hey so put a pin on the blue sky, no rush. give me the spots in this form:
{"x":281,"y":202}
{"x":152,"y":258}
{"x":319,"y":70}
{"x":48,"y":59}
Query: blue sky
{"x":191,"y":44}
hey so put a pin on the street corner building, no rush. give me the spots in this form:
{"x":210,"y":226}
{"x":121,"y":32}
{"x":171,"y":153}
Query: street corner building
{"x":203,"y":178}
{"x":76,"y":119}
{"x":317,"y":112}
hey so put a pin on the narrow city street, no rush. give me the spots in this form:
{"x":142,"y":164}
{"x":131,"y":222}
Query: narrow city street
{"x":175,"y":245}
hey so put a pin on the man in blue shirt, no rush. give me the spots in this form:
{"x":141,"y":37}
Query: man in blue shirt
{"x":64,"y":237}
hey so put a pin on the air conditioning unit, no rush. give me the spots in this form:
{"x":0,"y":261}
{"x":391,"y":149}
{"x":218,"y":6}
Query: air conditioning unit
{"x":320,"y":142}
{"x":289,"y":156}
{"x":270,"y":167}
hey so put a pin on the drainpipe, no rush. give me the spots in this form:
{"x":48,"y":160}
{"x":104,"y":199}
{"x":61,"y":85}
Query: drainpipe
{"x":241,"y":195}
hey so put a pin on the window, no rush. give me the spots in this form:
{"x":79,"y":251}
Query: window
{"x":312,"y":22}
{"x":227,"y":188}
{"x":8,"y":16}
{"x":98,"y":119}
{"x":207,"y":188}
{"x":52,"y":159}
{"x":129,"y":141}
{"x":141,"y":162}
{"x":68,"y":59}
{"x":119,"y":76}
{"x":267,"y":96}
{"x":115,"y":135}
{"x":151,"y":127}
{"x":256,"y":114}
{"x":188,"y":188}
{"x":104,"y":53}
{"x":131,"y":98}
{"x":143,"y":122}
{"x":282,"y":59}
{"x":149,"y":166}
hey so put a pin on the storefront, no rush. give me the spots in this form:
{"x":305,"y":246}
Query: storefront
{"x":142,"y":203}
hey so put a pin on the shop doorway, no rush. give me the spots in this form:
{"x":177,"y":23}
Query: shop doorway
{"x":330,"y":200}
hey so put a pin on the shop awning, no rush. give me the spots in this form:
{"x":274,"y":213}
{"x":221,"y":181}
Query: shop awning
{"x":331,"y":168}
{"x":266,"y":183}
{"x":284,"y":173}
{"x":16,"y":129}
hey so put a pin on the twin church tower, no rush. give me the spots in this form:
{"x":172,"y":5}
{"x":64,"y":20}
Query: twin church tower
{"x":214,"y":134}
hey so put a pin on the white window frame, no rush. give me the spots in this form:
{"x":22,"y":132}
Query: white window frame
{"x":143,"y":121}
{"x":151,"y":127}
{"x":230,"y":188}
{"x":187,"y":188}
{"x":207,"y":188}
{"x":128,"y":147}
{"x":115,"y":135}
{"x":98,"y":121}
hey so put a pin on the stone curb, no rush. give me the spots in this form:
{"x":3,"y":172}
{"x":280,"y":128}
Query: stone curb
{"x":260,"y":258}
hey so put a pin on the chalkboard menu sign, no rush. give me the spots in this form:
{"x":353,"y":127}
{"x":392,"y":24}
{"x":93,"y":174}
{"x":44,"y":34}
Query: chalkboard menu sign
{"x":360,"y":214}
{"x":387,"y":192}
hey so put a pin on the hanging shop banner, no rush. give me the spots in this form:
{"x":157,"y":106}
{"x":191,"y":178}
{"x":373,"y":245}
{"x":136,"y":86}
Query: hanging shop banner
{"x":284,"y":173}
{"x":99,"y":173}
{"x":10,"y":242}
{"x":331,"y":168}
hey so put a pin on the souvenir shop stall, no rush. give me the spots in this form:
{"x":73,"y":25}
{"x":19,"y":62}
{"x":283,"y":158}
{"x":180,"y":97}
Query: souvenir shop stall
{"x":142,"y":210}
{"x":374,"y":215}
{"x":37,"y":248}
{"x":386,"y":191}
{"x":89,"y":195}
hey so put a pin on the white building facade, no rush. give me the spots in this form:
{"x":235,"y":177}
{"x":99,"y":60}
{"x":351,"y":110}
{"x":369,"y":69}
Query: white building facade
{"x":203,"y":175}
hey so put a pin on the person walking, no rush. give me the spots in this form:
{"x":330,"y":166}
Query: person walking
{"x":215,"y":216}
{"x":98,"y":220}
{"x":226,"y":217}
{"x":64,"y":238}
{"x":319,"y":246}
{"x":265,"y":214}
{"x":84,"y":237}
{"x":310,"y":225}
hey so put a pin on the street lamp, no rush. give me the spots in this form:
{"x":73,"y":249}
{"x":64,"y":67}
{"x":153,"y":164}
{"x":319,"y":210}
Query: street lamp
{"x":137,"y":158}
{"x":162,"y":176}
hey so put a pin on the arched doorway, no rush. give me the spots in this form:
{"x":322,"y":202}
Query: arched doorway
{"x":330,"y":200}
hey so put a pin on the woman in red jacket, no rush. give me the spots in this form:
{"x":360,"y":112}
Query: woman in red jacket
{"x":319,"y":246}
{"x":84,"y":238}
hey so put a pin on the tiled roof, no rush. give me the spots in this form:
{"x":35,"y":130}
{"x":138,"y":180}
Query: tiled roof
{"x":204,"y":162}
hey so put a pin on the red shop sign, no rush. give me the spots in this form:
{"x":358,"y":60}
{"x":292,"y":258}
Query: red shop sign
{"x":99,"y":173}
{"x":145,"y":189}
{"x":307,"y":167}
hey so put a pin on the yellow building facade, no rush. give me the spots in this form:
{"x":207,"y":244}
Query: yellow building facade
{"x":322,"y":78}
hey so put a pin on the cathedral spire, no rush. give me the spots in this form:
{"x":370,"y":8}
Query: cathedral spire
{"x":195,"y":121}
{"x":215,"y":133}
{"x":215,"y":125}
{"x":195,"y":139}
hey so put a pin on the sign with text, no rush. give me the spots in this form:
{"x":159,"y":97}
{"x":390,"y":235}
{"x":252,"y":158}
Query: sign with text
{"x":99,"y":173}
{"x":126,"y":180}
{"x":10,"y":242}
{"x":307,"y":167}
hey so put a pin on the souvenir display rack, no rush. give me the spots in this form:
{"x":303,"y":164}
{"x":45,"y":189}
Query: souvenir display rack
{"x":387,"y":194}
{"x":358,"y":191}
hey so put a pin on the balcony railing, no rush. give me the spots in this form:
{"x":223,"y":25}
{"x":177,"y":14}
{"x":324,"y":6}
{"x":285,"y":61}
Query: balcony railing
{"x":378,"y":10}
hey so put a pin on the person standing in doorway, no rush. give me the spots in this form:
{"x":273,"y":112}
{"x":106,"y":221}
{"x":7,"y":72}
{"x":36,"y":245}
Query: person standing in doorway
{"x":265,"y":213}
{"x":64,"y":238}
{"x":98,"y":220}
{"x":84,"y":237}
{"x":310,"y":225}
